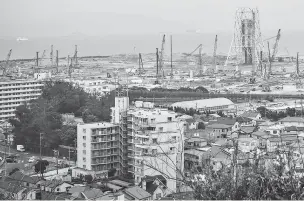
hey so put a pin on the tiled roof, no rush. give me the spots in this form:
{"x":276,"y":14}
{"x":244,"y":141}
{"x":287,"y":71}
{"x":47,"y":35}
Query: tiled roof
{"x":19,"y":176}
{"x":219,"y":126}
{"x":93,"y":193}
{"x":250,"y":114}
{"x":137,"y":193}
{"x":54,"y":196}
{"x":292,"y":119}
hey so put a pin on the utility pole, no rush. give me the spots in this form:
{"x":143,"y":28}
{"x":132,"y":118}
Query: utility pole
{"x":40,"y":138}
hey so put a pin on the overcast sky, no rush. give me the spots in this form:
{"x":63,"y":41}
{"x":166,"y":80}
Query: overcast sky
{"x":102,"y":17}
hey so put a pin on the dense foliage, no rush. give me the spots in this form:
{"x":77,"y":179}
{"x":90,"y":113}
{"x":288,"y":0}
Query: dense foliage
{"x":44,"y":115}
{"x":275,"y":115}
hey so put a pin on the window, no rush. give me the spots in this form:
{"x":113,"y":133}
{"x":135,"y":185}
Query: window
{"x":154,"y":141}
{"x":84,"y":130}
{"x":57,"y":189}
{"x":84,"y":166}
{"x":154,"y":151}
{"x":169,"y":119}
{"x":161,"y":129}
{"x":84,"y":159}
{"x":84,"y":151}
{"x":84,"y":144}
{"x":84,"y":137}
{"x":158,"y":195}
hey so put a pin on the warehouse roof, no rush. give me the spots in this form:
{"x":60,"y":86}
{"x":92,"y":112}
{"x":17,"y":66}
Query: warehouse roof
{"x":200,"y":104}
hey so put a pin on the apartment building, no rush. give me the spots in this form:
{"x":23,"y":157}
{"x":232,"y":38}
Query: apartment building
{"x":16,"y":92}
{"x":95,"y":86}
{"x":98,"y":147}
{"x":156,"y":139}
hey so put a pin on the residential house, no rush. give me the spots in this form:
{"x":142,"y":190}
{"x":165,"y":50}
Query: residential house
{"x":292,"y":121}
{"x":54,"y":196}
{"x":275,"y":130}
{"x":156,"y":186}
{"x":254,"y":115}
{"x":193,"y":158}
{"x":244,"y":121}
{"x":232,"y":122}
{"x":191,"y":124}
{"x":220,"y":130}
{"x":195,"y":142}
{"x":247,"y":144}
{"x":201,"y":133}
{"x":136,"y":193}
{"x":57,"y":186}
{"x":26,"y":180}
{"x":280,"y":142}
{"x":13,"y":190}
{"x":89,"y":194}
{"x":217,"y":157}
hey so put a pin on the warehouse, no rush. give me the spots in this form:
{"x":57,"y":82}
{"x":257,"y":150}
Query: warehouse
{"x":213,"y":104}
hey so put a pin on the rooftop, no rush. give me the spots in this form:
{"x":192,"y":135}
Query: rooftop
{"x":203,"y":103}
{"x":97,"y":125}
{"x":137,"y":193}
{"x":292,"y":119}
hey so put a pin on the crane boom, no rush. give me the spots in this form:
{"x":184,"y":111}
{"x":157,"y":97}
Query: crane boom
{"x":161,"y":56}
{"x":199,"y":46}
{"x":42,"y":56}
{"x":214,"y":51}
{"x":75,"y":55}
{"x":8,"y":56}
{"x":275,"y":46}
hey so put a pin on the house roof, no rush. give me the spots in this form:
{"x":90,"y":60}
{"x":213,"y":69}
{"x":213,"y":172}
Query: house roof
{"x":250,"y":114}
{"x":248,"y":129}
{"x":202,"y":133}
{"x":54,"y":196}
{"x":292,"y":119}
{"x":224,"y":120}
{"x":75,"y":189}
{"x":196,"y":139}
{"x":241,"y":119}
{"x":93,"y":193}
{"x":216,"y":152}
{"x":219,"y":126}
{"x":259,"y":133}
{"x":120,"y":183}
{"x":137,"y":193}
{"x":11,"y":187}
{"x":19,"y":176}
{"x":152,"y":178}
{"x":152,"y":188}
{"x":189,"y":121}
{"x":203,"y":103}
{"x":294,"y":128}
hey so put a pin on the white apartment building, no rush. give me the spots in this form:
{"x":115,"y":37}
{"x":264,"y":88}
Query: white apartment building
{"x":16,"y":92}
{"x":97,"y":86}
{"x":156,"y":140}
{"x":98,"y":147}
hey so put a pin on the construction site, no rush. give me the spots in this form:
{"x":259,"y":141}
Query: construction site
{"x":252,"y":65}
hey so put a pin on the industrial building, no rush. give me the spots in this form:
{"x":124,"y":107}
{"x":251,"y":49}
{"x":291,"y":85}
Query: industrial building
{"x":98,"y":147}
{"x":213,"y":105}
{"x":16,"y":92}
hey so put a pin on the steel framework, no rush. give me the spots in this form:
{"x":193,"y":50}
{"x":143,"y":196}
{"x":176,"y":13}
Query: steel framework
{"x":247,"y":41}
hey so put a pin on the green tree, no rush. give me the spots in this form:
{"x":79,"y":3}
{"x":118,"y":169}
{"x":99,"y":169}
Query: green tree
{"x":40,"y":166}
{"x":88,"y":178}
{"x":13,"y":171}
{"x":201,"y":125}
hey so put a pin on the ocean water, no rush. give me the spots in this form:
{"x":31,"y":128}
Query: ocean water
{"x":124,"y":44}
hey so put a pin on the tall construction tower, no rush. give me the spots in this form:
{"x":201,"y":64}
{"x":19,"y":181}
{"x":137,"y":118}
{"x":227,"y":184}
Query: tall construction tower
{"x":52,"y":56}
{"x":247,"y":40}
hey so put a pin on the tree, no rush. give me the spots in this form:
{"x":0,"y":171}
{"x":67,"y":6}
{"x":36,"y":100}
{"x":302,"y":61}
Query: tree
{"x":201,"y":125}
{"x":40,"y":166}
{"x":13,"y":171}
{"x":88,"y":178}
{"x":262,"y":110}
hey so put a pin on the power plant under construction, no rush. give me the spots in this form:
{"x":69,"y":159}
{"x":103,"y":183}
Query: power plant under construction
{"x":251,"y":60}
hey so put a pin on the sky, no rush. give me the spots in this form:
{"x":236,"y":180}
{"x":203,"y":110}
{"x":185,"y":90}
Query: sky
{"x":42,"y":18}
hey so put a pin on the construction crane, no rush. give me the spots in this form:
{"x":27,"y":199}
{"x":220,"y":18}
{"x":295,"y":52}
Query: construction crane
{"x":42,"y":57}
{"x":140,"y":64}
{"x":275,"y":46}
{"x":198,"y":47}
{"x":5,"y":69}
{"x":214,"y":51}
{"x":75,"y":56}
{"x":52,"y":56}
{"x":161,"y":57}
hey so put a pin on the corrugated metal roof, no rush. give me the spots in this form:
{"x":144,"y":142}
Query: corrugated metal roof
{"x":203,"y":103}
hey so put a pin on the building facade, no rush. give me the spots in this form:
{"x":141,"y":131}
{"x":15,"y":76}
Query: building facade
{"x":99,"y":147}
{"x":16,"y":92}
{"x":156,"y":140}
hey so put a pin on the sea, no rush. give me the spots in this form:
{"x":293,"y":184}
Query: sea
{"x":129,"y":44}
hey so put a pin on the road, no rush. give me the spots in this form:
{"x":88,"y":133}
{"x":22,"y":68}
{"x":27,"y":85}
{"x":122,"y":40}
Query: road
{"x":22,"y":160}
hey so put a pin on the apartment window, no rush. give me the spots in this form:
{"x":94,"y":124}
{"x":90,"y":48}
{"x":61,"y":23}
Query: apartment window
{"x":158,"y":195}
{"x":161,"y":129}
{"x":154,"y":151}
{"x":154,"y":141}
{"x":84,"y":151}
{"x":84,"y":137}
{"x":172,"y":149}
{"x":152,"y":120}
{"x":169,"y":119}
{"x":84,"y":130}
{"x":84,"y":166}
{"x":84,"y":144}
{"x":84,"y":159}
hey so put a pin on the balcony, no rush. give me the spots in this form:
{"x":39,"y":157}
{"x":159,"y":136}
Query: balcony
{"x":99,"y":162}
